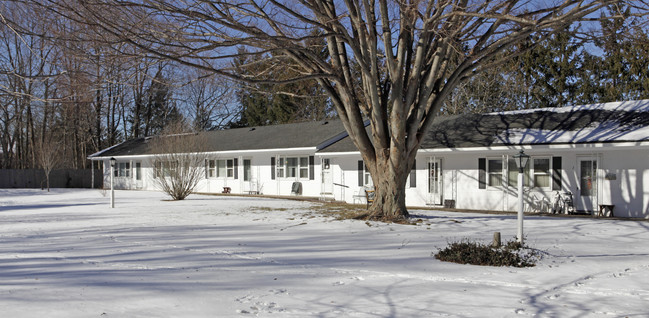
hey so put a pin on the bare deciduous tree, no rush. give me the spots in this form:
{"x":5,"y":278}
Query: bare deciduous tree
{"x":48,"y":154}
{"x":179,"y":163}
{"x":393,"y":63}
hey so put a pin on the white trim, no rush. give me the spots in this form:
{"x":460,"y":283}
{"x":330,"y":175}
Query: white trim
{"x":332,"y":154}
{"x":210,"y":153}
{"x":539,"y":147}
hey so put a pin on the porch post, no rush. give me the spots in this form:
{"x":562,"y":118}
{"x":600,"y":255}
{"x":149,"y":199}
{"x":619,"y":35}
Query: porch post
{"x":520,"y":206}
{"x":112,"y":188}
{"x":521,"y":161}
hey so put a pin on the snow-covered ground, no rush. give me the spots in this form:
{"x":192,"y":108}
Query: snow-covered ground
{"x":67,"y":254}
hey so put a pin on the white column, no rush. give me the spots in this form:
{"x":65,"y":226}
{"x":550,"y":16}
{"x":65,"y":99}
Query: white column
{"x":112,"y":188}
{"x":520,"y":206}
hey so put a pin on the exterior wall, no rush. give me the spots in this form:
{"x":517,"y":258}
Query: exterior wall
{"x":621,"y":178}
{"x":261,"y":181}
{"x":131,"y":181}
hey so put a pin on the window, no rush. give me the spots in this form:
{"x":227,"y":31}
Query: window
{"x":495,"y":172}
{"x":221,"y":168}
{"x":364,"y":177}
{"x":211,"y":168}
{"x":326,"y":164}
{"x":293,"y":167}
{"x":512,"y":173}
{"x":138,"y":171}
{"x":164,"y":168}
{"x":247,"y":173}
{"x":280,"y":167}
{"x":304,"y":167}
{"x":123,"y":169}
{"x":157,"y":169}
{"x":368,"y":177}
{"x":541,"y":172}
{"x":229,"y":166}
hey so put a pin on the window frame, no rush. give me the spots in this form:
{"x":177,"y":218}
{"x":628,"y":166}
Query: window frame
{"x":367,"y":177}
{"x":294,"y":167}
{"x":247,"y":169}
{"x":512,"y":173}
{"x":530,"y":173}
{"x":138,"y":171}
{"x":490,"y":173}
{"x":122,"y":169}
{"x":547,"y":174}
{"x":164,"y":168}
{"x":211,"y":168}
{"x":220,"y":168}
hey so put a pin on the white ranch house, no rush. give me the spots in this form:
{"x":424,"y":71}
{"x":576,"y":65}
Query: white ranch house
{"x":599,"y":153}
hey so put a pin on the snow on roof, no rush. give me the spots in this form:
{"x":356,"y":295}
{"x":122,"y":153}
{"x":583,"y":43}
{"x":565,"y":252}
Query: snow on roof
{"x":625,"y":106}
{"x":625,"y":123}
{"x":100,"y":152}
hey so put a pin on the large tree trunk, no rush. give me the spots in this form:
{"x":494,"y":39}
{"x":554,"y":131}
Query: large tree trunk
{"x":389,"y":178}
{"x":390,"y":197}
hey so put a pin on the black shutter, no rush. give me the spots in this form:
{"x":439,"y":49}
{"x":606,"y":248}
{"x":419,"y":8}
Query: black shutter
{"x":311,"y":168}
{"x":482,"y":173}
{"x":556,"y":173}
{"x":413,"y":175}
{"x":206,"y":168}
{"x":360,"y":173}
{"x":272,"y":168}
{"x":236,"y":168}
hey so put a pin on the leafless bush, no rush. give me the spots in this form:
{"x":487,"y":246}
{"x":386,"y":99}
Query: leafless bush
{"x":179,"y":161}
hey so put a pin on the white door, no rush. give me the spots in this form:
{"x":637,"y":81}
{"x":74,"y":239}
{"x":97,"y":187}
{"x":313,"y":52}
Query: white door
{"x":248,"y":184}
{"x":327,"y":186}
{"x":435,"y":189}
{"x":138,"y":174}
{"x":588,"y":184}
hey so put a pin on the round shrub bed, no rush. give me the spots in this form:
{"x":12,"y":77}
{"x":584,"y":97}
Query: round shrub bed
{"x":468,"y":252}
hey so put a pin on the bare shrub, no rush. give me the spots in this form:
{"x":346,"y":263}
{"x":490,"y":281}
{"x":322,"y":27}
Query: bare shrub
{"x":179,"y":160}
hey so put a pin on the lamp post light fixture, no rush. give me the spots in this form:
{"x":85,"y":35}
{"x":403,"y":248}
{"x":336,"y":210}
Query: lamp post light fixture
{"x":521,"y":161}
{"x":112,"y":177}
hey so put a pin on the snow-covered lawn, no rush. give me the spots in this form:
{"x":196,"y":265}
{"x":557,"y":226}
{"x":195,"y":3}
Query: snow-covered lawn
{"x":67,"y":254}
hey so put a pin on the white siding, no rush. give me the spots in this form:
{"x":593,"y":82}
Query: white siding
{"x":622,"y":177}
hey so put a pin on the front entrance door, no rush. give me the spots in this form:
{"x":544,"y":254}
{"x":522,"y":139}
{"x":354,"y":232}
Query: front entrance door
{"x":327,"y":187}
{"x":588,"y":184}
{"x":248,"y":184}
{"x":138,"y":174}
{"x":435,"y":189}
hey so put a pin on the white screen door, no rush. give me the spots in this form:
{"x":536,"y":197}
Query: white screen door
{"x":327,"y":177}
{"x":588,"y":184}
{"x":435,"y":181}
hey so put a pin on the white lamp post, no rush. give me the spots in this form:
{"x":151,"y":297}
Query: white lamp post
{"x":521,"y":161}
{"x":112,"y":188}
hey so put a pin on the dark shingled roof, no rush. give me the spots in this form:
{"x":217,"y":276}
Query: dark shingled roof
{"x":539,"y":127}
{"x":298,"y":135}
{"x":609,"y":122}
{"x":566,"y":125}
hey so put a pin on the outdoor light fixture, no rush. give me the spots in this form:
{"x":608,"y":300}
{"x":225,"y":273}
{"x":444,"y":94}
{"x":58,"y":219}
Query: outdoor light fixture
{"x":521,"y":161}
{"x":112,"y":176}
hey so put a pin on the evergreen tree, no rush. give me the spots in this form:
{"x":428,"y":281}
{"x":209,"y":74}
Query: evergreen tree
{"x":265,"y":104}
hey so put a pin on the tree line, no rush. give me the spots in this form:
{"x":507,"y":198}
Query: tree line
{"x":81,"y":76}
{"x":68,"y":89}
{"x":608,"y":63}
